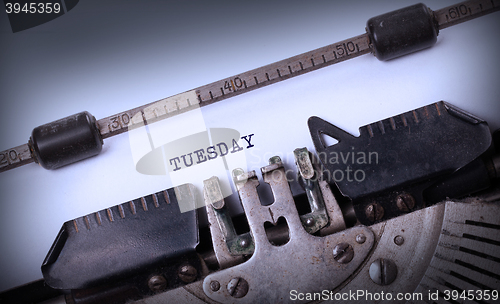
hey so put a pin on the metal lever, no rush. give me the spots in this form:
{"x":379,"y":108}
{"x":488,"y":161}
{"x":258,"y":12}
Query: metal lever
{"x":229,"y":247}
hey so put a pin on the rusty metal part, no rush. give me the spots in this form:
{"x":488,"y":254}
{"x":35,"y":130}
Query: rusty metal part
{"x":264,"y":270}
{"x":304,"y":163}
{"x":420,"y":230}
{"x":336,"y":222}
{"x":399,"y":240}
{"x":157,"y":283}
{"x":410,"y":260}
{"x":343,"y":252}
{"x":187,"y":273}
{"x":221,"y":227}
{"x":237,"y":287}
{"x":423,"y":231}
{"x":405,"y":202}
{"x":214,"y":285}
{"x":308,"y":179}
{"x":383,"y":271}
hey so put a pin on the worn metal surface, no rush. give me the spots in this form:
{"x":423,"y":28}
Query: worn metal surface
{"x":309,"y":180}
{"x":343,"y":252}
{"x":304,"y":263}
{"x":237,"y":244}
{"x":420,"y":230}
{"x":336,"y":222}
{"x":220,"y":224}
{"x":157,"y":283}
{"x":467,"y":237}
{"x":187,"y":273}
{"x":434,"y":250}
{"x":303,"y":163}
{"x":374,"y":212}
{"x":237,"y":287}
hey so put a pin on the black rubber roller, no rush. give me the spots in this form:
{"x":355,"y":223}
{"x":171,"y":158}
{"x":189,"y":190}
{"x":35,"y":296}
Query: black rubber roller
{"x":403,"y":31}
{"x":66,"y":141}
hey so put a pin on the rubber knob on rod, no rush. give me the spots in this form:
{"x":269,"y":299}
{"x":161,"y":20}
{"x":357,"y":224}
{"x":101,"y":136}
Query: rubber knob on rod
{"x":66,"y":141}
{"x":402,"y":31}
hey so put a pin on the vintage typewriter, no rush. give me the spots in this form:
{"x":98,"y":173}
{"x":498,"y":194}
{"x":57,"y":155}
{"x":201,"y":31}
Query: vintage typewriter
{"x":312,"y":201}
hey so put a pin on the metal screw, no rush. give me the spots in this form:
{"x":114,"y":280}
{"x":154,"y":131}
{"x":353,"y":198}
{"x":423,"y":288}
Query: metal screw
{"x":274,"y":160}
{"x":374,"y":212}
{"x":343,"y":253}
{"x":157,"y":283}
{"x":360,"y":238}
{"x":399,"y":240}
{"x":383,"y":271}
{"x":405,"y":202}
{"x":237,"y":287}
{"x":187,"y":273}
{"x":214,"y":285}
{"x":310,"y":222}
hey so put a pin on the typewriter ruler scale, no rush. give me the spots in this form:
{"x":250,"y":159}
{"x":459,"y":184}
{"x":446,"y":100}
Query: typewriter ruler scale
{"x":461,"y":18}
{"x":263,"y":76}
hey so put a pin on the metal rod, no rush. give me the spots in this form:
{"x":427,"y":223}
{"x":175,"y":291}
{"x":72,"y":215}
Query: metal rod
{"x":250,"y":80}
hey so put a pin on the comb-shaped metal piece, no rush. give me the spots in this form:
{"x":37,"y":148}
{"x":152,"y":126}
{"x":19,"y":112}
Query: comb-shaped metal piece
{"x":398,"y":157}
